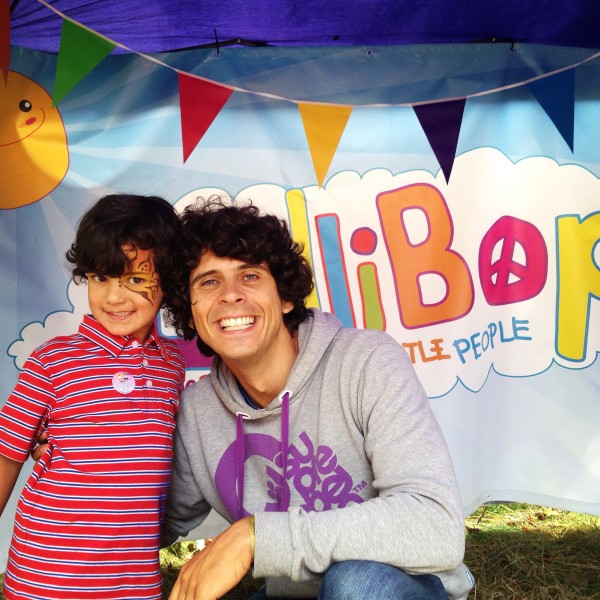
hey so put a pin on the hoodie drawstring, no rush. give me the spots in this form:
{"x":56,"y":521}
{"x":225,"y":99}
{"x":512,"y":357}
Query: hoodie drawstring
{"x":240,"y":459}
{"x":285,"y":432}
{"x":240,"y":454}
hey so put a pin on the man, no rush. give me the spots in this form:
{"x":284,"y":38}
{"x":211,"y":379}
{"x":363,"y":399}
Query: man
{"x":316,"y":442}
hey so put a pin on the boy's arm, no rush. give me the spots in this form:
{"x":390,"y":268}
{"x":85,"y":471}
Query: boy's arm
{"x":9,"y":472}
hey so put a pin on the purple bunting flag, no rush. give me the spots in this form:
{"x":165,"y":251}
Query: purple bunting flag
{"x":441,"y":122}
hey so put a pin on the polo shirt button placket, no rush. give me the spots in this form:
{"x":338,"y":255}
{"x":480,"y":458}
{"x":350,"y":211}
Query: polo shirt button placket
{"x":148,"y":382}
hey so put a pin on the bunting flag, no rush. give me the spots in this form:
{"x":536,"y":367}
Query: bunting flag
{"x":4,"y":38}
{"x":79,"y":52}
{"x":81,"y":49}
{"x":441,"y":122}
{"x":556,"y":95}
{"x":324,"y":125}
{"x":200,"y":101}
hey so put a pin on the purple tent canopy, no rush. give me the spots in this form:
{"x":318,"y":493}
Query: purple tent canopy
{"x":160,"y":25}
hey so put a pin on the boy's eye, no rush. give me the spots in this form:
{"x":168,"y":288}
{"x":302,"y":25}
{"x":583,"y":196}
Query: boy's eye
{"x":98,"y":278}
{"x":139,"y":281}
{"x":136,"y":280}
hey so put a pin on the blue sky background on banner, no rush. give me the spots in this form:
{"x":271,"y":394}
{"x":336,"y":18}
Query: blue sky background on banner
{"x":123,"y":130}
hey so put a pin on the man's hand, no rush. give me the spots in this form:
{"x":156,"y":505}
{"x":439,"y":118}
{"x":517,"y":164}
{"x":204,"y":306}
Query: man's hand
{"x":218,"y":568}
{"x":42,"y":446}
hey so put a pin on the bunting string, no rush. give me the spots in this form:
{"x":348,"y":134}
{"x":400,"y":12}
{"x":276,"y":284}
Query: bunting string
{"x":294,"y":101}
{"x":324,"y":122}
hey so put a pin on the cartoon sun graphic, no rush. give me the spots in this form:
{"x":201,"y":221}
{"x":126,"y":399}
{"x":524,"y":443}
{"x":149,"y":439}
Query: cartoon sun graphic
{"x":33,"y":143}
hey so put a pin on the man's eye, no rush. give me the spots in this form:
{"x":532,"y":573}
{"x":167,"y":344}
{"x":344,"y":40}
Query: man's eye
{"x":250,"y":276}
{"x":208,"y":283}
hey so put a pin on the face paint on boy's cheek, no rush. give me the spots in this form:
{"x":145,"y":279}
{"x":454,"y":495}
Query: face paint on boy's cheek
{"x":149,"y":289}
{"x":142,"y":266}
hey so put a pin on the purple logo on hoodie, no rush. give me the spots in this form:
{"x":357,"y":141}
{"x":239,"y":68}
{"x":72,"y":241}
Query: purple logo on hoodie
{"x":315,"y":475}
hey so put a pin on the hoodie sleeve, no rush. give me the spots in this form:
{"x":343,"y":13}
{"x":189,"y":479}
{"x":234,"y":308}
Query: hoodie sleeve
{"x":415,"y":521}
{"x":186,"y":507}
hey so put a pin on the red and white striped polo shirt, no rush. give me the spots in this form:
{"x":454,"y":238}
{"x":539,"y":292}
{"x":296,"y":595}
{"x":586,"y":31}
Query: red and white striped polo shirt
{"x":88,"y":521}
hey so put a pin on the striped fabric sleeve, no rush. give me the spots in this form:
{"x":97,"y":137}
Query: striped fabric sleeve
{"x":24,"y":414}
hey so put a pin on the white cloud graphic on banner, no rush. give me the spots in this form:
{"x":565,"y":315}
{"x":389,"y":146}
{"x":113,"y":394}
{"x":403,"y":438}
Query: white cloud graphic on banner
{"x":55,"y":324}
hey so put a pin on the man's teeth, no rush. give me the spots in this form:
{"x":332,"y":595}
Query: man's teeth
{"x":238,"y":323}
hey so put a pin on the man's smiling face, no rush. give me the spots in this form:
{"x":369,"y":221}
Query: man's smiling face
{"x":237,"y":310}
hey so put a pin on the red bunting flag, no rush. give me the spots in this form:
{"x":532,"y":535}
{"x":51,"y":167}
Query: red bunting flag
{"x":79,"y":52}
{"x":200,"y":101}
{"x":441,"y":122}
{"x":4,"y":38}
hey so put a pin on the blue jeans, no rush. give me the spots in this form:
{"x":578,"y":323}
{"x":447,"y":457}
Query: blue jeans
{"x":367,"y":580}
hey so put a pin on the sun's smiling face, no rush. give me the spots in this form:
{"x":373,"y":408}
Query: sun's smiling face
{"x":33,"y":143}
{"x":22,"y":113}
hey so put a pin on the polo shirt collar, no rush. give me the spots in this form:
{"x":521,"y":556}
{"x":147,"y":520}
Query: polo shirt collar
{"x":115,"y":344}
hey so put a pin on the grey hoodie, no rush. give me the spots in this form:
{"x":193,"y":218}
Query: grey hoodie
{"x":347,"y":463}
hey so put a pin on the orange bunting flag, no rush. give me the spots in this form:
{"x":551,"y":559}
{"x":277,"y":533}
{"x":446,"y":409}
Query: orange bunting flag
{"x":4,"y":38}
{"x":324,"y":125}
{"x":79,"y":52}
{"x":200,"y":102}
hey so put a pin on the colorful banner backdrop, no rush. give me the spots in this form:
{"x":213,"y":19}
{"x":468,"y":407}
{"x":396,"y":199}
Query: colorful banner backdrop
{"x":451,"y":199}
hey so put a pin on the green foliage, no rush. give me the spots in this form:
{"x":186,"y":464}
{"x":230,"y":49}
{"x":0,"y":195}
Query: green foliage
{"x":171,"y":560}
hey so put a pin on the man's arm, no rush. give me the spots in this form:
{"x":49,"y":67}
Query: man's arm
{"x":42,"y":446}
{"x":222,"y":563}
{"x":219,"y":567}
{"x":9,"y":472}
{"x":186,"y":507}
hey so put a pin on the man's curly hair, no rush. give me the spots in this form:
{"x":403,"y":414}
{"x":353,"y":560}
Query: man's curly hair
{"x":240,"y":232}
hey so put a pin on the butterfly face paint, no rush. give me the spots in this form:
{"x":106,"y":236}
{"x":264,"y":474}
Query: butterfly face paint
{"x":127,"y":305}
{"x":141,"y":278}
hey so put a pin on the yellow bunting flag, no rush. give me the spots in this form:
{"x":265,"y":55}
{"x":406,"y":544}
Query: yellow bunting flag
{"x":324,"y":125}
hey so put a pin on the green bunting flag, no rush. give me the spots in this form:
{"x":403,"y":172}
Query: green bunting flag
{"x":79,"y":52}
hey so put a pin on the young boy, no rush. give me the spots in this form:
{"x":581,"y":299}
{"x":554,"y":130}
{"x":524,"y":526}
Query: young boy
{"x":88,"y":521}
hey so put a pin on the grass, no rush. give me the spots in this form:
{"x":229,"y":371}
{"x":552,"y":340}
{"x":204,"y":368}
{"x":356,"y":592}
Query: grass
{"x":515,"y":551}
{"x":522,"y":551}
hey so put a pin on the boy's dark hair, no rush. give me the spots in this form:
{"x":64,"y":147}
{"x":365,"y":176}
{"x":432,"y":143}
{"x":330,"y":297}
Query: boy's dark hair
{"x":147,"y":222}
{"x":240,"y":232}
